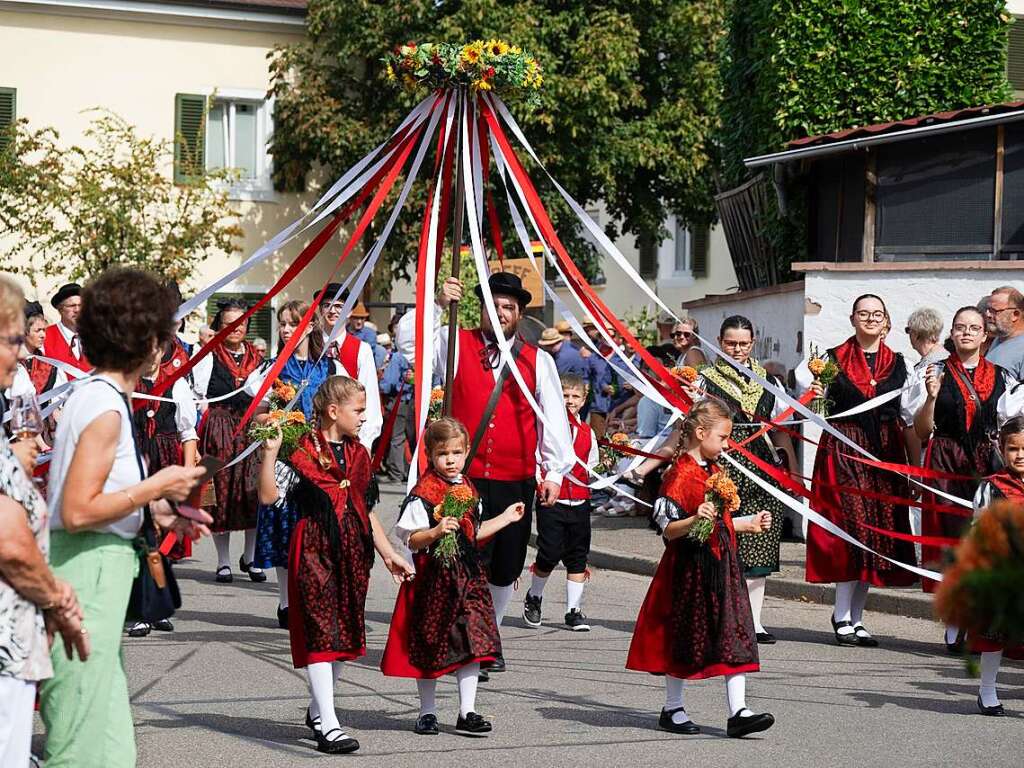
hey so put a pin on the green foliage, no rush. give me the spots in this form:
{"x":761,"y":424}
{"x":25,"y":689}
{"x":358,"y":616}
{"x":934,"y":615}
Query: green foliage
{"x":469,"y":307}
{"x":72,"y":212}
{"x":643,"y":325}
{"x":626,"y":114}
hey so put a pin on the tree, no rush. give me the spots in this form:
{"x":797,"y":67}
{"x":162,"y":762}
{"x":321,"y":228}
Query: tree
{"x":627,"y":111}
{"x":74,"y":212}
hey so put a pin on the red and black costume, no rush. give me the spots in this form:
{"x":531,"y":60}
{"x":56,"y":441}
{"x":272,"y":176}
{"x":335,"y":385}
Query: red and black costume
{"x":444,"y":618}
{"x":862,"y":376}
{"x":963,"y":442}
{"x":695,"y":621}
{"x":57,"y":347}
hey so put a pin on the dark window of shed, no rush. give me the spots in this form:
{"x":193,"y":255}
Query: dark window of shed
{"x":1013,"y":190}
{"x":837,"y":209}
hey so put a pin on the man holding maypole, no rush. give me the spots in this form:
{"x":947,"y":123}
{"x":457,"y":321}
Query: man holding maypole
{"x":517,"y":456}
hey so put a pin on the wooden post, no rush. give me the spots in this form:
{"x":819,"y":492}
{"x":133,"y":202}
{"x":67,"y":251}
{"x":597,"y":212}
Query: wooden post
{"x":870,"y":187}
{"x":997,"y":208}
{"x":460,"y":213}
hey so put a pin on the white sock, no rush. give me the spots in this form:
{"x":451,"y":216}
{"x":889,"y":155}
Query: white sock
{"x":674,"y":698}
{"x":222,"y":541}
{"x":282,"y":587}
{"x":321,"y":686}
{"x":951,"y":634}
{"x":250,"y":545}
{"x":736,"y":694}
{"x":537,"y":586}
{"x":844,"y":598}
{"x":427,"y":690}
{"x":573,"y":595}
{"x":860,"y":599}
{"x":336,"y":668}
{"x":990,"y":661}
{"x":755,"y":592}
{"x":500,"y":596}
{"x":467,"y":677}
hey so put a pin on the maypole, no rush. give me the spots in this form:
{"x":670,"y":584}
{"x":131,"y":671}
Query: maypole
{"x":460,"y":216}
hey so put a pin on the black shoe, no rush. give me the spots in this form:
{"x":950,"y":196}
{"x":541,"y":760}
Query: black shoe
{"x":765,"y":638}
{"x":864,"y":638}
{"x":689,"y":728}
{"x":139,"y":629}
{"x":312,"y":723}
{"x":164,"y":625}
{"x":531,"y":610}
{"x":483,"y":677}
{"x":255,"y":574}
{"x":224,"y":575}
{"x":426,"y":725}
{"x":472,"y":725}
{"x":847,"y":639}
{"x":498,"y":665}
{"x":282,"y":617}
{"x":576,"y":621}
{"x":739,"y":726}
{"x":337,"y":746}
{"x":996,"y":711}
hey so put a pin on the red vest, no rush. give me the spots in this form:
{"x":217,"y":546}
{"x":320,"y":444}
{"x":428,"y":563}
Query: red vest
{"x":347,"y":353}
{"x":581,"y":445}
{"x":57,"y":347}
{"x":509,"y":446}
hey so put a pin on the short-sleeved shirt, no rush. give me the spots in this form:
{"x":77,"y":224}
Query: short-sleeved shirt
{"x":1009,"y":354}
{"x":88,"y":403}
{"x":24,"y":651}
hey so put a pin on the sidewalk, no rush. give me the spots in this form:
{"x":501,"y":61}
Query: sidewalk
{"x":628,"y":544}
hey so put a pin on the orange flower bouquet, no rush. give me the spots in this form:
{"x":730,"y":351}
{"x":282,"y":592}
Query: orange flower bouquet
{"x":824,"y":370}
{"x":685,"y":373}
{"x":458,"y":502}
{"x":436,"y":404}
{"x":292,"y":425}
{"x":610,"y":454}
{"x":281,"y":394}
{"x":720,"y":491}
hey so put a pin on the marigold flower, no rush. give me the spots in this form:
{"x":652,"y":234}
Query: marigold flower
{"x":460,"y":493}
{"x":297,"y":417}
{"x":816,"y":366}
{"x":437,"y":394}
{"x":620,"y":438}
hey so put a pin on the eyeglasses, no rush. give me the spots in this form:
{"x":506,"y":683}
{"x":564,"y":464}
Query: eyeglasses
{"x":863,"y":314}
{"x":972,"y":330}
{"x":13,"y":341}
{"x":737,"y":344}
{"x":991,"y":311}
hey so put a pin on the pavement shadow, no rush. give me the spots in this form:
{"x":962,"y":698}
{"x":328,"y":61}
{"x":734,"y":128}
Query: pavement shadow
{"x":885,"y":642}
{"x":958,"y":707}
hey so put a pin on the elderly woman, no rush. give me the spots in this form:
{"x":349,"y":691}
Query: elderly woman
{"x":924,"y":327}
{"x":33,"y":602}
{"x":98,"y":493}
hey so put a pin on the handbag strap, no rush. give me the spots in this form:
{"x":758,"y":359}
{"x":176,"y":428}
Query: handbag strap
{"x":147,"y":518}
{"x":492,"y":404}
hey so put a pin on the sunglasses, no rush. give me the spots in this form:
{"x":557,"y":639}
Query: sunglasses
{"x":682,"y":335}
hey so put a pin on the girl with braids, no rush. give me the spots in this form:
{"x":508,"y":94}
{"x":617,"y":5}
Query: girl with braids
{"x":328,"y":480}
{"x":695,"y":621}
{"x":221,"y":373}
{"x":444,"y":620}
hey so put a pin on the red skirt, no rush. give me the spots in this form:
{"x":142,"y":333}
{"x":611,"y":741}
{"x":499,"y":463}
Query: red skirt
{"x":235,"y":486}
{"x":326,"y":594}
{"x":164,"y":450}
{"x":830,"y":559}
{"x":695,"y":621}
{"x":443,"y":620}
{"x":987,"y":644}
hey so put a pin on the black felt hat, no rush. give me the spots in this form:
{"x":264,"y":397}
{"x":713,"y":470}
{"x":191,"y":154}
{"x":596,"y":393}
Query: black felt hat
{"x":65,"y":293}
{"x":507,"y":284}
{"x":329,"y":293}
{"x":32,"y":309}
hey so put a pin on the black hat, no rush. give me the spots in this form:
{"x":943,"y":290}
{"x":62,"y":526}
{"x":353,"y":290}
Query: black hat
{"x":507,"y":284}
{"x":33,"y":308}
{"x":65,"y":292}
{"x":329,"y":293}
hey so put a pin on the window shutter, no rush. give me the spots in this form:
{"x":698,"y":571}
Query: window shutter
{"x":260,"y":324}
{"x":8,"y":104}
{"x":648,"y":255}
{"x":1015,"y":54}
{"x":189,"y":136}
{"x":700,"y":238}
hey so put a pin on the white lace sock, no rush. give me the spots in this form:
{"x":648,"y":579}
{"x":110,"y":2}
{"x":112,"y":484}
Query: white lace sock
{"x":500,"y":596}
{"x":844,"y":600}
{"x":250,"y":545}
{"x":428,"y":693}
{"x":467,"y":677}
{"x":755,"y":592}
{"x":573,"y":595}
{"x":990,"y":661}
{"x":222,"y":541}
{"x":736,"y":695}
{"x":674,"y":699}
{"x":282,"y":587}
{"x":860,"y":599}
{"x":321,"y":686}
{"x":537,"y":586}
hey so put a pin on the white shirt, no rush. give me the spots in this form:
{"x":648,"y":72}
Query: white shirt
{"x":86,"y":404}
{"x":203,"y":370}
{"x":416,"y":517}
{"x":184,"y":409}
{"x":591,"y":461}
{"x":555,"y":446}
{"x":72,"y":338}
{"x":367,"y":376}
{"x":911,"y":396}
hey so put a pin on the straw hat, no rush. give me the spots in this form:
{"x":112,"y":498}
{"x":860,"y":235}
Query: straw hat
{"x":563,"y":327}
{"x":549,"y":337}
{"x":359,"y":310}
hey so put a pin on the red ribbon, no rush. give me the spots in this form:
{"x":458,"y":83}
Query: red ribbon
{"x":630,"y":450}
{"x":928,"y":541}
{"x":907,"y":469}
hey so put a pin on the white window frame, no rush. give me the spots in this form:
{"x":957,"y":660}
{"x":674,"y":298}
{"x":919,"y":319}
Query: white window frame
{"x":668,"y":275}
{"x":261,"y":188}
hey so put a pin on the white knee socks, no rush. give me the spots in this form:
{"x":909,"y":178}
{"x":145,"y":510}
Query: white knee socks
{"x":222,"y":541}
{"x":990,"y":661}
{"x":467,"y":677}
{"x":952,"y":633}
{"x":321,"y":686}
{"x":537,"y":586}
{"x":250,"y":545}
{"x":736,"y":694}
{"x":844,"y":600}
{"x":860,"y":598}
{"x":500,"y":596}
{"x":674,"y":699}
{"x":428,"y":694}
{"x":755,"y":592}
{"x":282,"y":587}
{"x":573,"y":595}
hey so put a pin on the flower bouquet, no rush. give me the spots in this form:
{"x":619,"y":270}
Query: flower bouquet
{"x":457,"y":503}
{"x":685,"y":373}
{"x":292,"y":425}
{"x":281,"y":393}
{"x":434,"y":410}
{"x":824,"y":370}
{"x":610,"y":454}
{"x":721,"y":491}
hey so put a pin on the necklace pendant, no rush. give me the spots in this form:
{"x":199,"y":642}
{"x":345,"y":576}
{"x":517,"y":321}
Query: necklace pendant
{"x":874,"y":383}
{"x":344,"y":483}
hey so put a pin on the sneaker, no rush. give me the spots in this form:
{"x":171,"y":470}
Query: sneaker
{"x":426,"y":725}
{"x":472,"y":725}
{"x":531,"y":610}
{"x":576,"y":621}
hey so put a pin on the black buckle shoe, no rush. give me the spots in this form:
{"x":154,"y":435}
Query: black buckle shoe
{"x":498,"y":665}
{"x":312,"y":723}
{"x":531,"y":610}
{"x":338,"y":746}
{"x":139,"y":629}
{"x":864,"y":638}
{"x":576,"y":621}
{"x":849,"y":638}
{"x":765,"y":638}
{"x":996,"y":711}
{"x":164,"y":625}
{"x":426,"y":725}
{"x":282,"y":617}
{"x":483,"y":677}
{"x":665,"y":722}
{"x":224,"y":575}
{"x":472,"y":725}
{"x":956,"y":648}
{"x":738,"y":726}
{"x":255,"y":574}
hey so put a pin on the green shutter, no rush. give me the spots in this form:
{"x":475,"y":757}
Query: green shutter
{"x":8,"y":112}
{"x":189,"y":136}
{"x":699,"y":246}
{"x":1015,"y":54}
{"x":260,"y":324}
{"x":648,"y":255}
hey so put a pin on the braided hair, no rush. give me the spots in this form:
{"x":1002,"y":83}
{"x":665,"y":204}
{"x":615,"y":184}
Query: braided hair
{"x":336,"y":390}
{"x":704,"y":413}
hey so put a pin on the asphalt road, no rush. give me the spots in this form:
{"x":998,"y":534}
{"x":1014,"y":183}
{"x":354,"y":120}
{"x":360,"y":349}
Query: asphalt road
{"x":220,"y":691}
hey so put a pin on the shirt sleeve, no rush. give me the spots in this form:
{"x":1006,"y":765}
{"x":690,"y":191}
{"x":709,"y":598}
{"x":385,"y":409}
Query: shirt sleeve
{"x":22,"y":385}
{"x":201,"y":373}
{"x":982,"y":497}
{"x":368,"y":378}
{"x":595,"y":452}
{"x":184,"y":411}
{"x":803,"y":376}
{"x":255,"y":379}
{"x":285,"y":477}
{"x":556,"y":452}
{"x":666,"y":511}
{"x":405,"y":341}
{"x":913,"y":396}
{"x":1011,"y":402}
{"x":415,"y":517}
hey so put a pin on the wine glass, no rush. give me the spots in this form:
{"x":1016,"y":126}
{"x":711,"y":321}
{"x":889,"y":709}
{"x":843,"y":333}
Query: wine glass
{"x":26,"y":418}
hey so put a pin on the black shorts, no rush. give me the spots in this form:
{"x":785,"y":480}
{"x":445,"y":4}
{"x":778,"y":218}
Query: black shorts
{"x":505,"y":554}
{"x":563,"y":535}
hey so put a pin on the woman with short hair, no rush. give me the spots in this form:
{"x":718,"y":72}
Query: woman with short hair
{"x":924,"y":327}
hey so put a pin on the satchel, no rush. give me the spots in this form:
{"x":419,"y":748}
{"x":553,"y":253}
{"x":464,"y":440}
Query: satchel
{"x":155,"y":594}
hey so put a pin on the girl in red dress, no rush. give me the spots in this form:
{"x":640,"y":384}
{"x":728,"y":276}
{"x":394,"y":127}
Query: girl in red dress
{"x":1007,"y":484}
{"x":444,"y":620}
{"x":695,"y":621}
{"x":328,"y":480}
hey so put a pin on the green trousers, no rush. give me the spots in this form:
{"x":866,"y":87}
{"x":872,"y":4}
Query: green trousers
{"x":85,"y":705}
